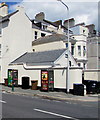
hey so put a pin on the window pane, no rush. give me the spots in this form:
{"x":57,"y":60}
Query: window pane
{"x":79,"y":64}
{"x":84,"y":50}
{"x":35,"y":34}
{"x":79,"y":50}
{"x":69,"y":63}
{"x":42,"y":35}
{"x":66,"y":45}
{"x":72,"y":49}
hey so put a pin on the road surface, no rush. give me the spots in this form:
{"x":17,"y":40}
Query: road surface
{"x":18,"y":106}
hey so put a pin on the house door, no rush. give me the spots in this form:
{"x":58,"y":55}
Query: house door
{"x":25,"y":82}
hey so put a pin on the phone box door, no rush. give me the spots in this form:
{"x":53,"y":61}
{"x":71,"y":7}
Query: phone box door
{"x":44,"y":80}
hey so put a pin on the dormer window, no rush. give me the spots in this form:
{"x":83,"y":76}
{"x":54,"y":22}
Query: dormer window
{"x":42,"y":35}
{"x":84,"y":50}
{"x":70,"y":63}
{"x":79,"y":64}
{"x":66,"y":45}
{"x":79,"y":50}
{"x":0,"y":49}
{"x":44,"y":27}
{"x":0,"y":31}
{"x":72,"y":49}
{"x":36,"y":34}
{"x":83,"y":31}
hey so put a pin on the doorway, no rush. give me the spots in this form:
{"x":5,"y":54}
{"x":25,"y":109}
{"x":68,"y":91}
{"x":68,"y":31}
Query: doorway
{"x":25,"y":82}
{"x":51,"y":80}
{"x":47,"y":80}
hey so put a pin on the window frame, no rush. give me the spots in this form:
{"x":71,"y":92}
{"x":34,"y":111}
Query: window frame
{"x":79,"y":50}
{"x":35,"y":34}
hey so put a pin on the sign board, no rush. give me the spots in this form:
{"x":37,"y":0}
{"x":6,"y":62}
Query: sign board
{"x":12,"y":77}
{"x":44,"y":80}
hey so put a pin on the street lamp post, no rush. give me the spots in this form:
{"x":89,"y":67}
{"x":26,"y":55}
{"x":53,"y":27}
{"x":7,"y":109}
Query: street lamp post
{"x":67,"y":80}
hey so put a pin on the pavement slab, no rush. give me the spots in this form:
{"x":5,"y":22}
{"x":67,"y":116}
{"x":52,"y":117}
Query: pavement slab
{"x":51,"y":95}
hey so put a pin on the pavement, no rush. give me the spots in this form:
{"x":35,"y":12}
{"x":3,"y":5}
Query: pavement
{"x":51,"y":95}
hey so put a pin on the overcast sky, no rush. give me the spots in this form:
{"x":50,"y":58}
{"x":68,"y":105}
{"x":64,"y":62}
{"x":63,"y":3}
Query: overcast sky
{"x":81,"y":11}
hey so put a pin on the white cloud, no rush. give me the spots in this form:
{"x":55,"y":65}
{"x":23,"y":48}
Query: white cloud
{"x":13,"y":7}
{"x":49,"y":0}
{"x":82,"y":11}
{"x":82,"y":18}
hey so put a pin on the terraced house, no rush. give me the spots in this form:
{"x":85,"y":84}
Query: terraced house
{"x":33,"y":46}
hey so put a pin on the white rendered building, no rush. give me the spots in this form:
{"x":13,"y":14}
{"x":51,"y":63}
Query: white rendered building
{"x":80,"y":33}
{"x":15,"y":39}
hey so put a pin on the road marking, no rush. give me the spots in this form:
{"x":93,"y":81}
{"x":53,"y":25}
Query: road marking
{"x":3,"y":91}
{"x":68,"y":102}
{"x":56,"y":101}
{"x":48,"y":100}
{"x":55,"y":114}
{"x":74,"y":103}
{"x":2,"y":101}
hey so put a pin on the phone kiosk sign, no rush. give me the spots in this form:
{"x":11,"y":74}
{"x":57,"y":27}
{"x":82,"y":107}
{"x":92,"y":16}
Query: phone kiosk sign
{"x":12,"y":77}
{"x":44,"y":80}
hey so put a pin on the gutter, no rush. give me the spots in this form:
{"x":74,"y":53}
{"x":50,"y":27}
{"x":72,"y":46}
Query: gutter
{"x":91,"y":70}
{"x":48,"y":67}
{"x":32,"y":67}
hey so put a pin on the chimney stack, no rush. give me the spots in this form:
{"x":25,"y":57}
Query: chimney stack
{"x":20,"y":8}
{"x":3,"y":9}
{"x":71,"y":23}
{"x":40,"y":16}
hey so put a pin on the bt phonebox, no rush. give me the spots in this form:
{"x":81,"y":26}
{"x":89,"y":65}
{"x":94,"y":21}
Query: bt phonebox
{"x":44,"y":80}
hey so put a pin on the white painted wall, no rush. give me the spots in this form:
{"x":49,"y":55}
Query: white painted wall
{"x":60,"y":79}
{"x":49,"y":46}
{"x":83,"y":28}
{"x":80,"y":30}
{"x":39,"y":33}
{"x":62,"y":61}
{"x":92,"y":75}
{"x":59,"y":76}
{"x":52,"y":28}
{"x":81,"y":41}
{"x":75,"y":77}
{"x":16,"y":39}
{"x":80,"y":34}
{"x":0,"y":53}
{"x":3,"y":10}
{"x":32,"y":74}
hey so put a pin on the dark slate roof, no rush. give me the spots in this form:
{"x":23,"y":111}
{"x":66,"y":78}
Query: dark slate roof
{"x":71,"y":19}
{"x":57,"y":23}
{"x":44,"y":21}
{"x":5,"y":18}
{"x":80,"y":24}
{"x":37,"y":58}
{"x":36,"y":27}
{"x":51,"y":38}
{"x":40,"y":21}
{"x":52,"y":23}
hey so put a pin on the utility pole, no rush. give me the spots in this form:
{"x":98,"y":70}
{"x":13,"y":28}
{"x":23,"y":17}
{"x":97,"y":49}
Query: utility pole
{"x":67,"y":80}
